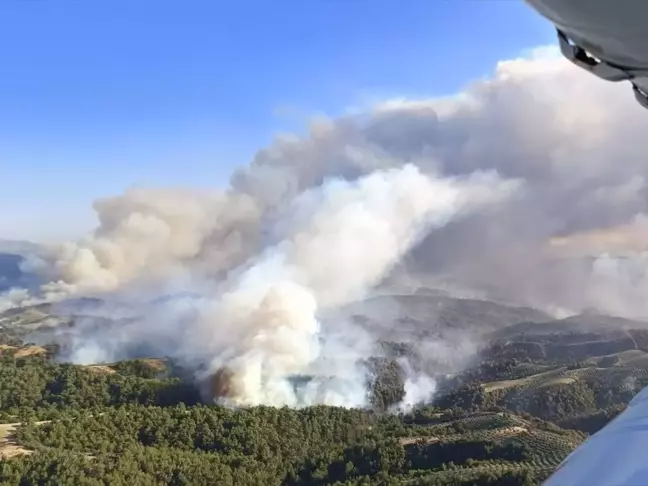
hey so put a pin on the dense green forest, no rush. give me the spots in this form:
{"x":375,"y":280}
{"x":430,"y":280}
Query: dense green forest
{"x":508,"y":420}
{"x":131,"y":423}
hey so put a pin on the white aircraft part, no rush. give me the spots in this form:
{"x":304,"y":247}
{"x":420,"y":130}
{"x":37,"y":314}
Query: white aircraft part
{"x":616,"y":455}
{"x":613,"y":33}
{"x":610,"y":39}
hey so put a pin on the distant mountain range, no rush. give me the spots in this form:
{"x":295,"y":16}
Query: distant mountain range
{"x":12,"y":255}
{"x":422,"y":313}
{"x":19,"y":247}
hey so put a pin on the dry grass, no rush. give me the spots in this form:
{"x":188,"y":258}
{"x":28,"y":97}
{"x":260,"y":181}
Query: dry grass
{"x":562,"y":380}
{"x":8,"y":445}
{"x":154,"y":363}
{"x":510,"y":431}
{"x":551,"y":377}
{"x":23,"y":352}
{"x":405,"y":441}
{"x":101,"y":369}
{"x":30,"y":351}
{"x":501,"y":385}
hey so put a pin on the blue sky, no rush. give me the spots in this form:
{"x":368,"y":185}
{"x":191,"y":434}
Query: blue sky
{"x":99,"y":95}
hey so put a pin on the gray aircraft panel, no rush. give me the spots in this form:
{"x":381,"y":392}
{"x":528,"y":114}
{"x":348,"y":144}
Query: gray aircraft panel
{"x":617,"y":455}
{"x":612,"y":33}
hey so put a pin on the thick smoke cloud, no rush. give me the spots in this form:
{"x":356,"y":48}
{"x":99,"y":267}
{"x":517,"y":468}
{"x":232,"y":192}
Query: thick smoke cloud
{"x":340,"y":240}
{"x":512,"y":190}
{"x":258,"y":328}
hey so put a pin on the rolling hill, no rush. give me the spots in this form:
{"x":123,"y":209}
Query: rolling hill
{"x":534,"y":390}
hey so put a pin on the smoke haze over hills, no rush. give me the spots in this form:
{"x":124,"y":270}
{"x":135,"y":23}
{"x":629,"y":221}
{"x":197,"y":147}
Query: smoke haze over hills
{"x":525,"y":188}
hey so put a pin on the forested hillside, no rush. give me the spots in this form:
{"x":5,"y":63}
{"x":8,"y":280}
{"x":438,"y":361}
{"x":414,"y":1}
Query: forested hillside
{"x":95,"y":426}
{"x":508,"y":420}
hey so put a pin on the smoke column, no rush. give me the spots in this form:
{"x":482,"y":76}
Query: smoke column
{"x":255,"y":319}
{"x":336,"y":242}
{"x":341,"y":241}
{"x":243,"y":279}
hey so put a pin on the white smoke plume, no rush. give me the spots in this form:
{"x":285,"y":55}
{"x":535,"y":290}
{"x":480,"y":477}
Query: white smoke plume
{"x":15,"y":297}
{"x":340,"y":240}
{"x":405,"y":186}
{"x":419,"y":389}
{"x":329,"y":246}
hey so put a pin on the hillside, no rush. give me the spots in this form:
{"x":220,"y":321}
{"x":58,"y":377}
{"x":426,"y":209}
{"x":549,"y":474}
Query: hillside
{"x":536,"y":389}
{"x":426,"y":314}
{"x":83,"y":421}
